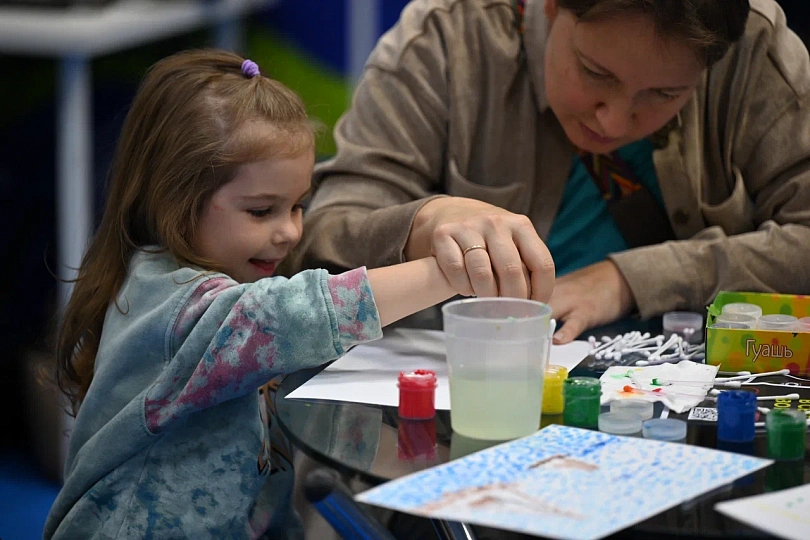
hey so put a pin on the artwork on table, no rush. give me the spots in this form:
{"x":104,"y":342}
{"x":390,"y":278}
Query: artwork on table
{"x":784,"y":513}
{"x":564,"y":482}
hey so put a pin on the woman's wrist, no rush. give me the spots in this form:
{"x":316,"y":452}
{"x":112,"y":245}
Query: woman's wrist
{"x":420,"y":237}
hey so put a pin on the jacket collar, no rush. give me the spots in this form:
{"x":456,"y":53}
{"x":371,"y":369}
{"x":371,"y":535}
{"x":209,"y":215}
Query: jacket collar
{"x":535,"y":34}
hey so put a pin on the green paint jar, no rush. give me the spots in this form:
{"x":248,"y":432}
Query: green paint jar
{"x":786,"y":433}
{"x":581,"y":402}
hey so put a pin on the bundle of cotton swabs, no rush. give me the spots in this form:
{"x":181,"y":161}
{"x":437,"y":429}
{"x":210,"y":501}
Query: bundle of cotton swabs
{"x":656,"y":349}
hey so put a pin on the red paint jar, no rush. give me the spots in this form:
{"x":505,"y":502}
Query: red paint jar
{"x":417,"y":394}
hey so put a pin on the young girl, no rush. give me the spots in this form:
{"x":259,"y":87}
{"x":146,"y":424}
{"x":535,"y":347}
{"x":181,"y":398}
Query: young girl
{"x":176,"y":321}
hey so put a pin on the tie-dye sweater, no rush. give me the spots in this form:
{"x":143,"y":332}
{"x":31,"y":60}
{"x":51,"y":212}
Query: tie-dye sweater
{"x":170,"y":441}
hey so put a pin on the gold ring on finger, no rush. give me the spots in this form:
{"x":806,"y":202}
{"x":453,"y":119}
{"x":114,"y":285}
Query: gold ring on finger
{"x":464,"y":253}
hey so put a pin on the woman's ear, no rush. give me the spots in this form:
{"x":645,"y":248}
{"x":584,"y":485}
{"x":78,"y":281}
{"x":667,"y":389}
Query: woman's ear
{"x":551,"y":7}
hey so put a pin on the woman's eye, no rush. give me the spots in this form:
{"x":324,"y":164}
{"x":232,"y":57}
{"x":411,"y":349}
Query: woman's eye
{"x":261,"y":212}
{"x":593,"y":74}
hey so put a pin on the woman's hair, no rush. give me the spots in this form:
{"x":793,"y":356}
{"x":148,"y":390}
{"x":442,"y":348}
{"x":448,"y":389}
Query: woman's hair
{"x":195,"y":119}
{"x":711,"y":26}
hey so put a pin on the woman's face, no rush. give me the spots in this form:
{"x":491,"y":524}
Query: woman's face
{"x":614,"y":81}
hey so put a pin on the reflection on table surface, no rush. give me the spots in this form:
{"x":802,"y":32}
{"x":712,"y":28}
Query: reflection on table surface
{"x":372,"y":443}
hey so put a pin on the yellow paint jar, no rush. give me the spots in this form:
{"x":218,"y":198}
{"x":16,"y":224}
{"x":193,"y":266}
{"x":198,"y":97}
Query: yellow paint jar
{"x":553,"y":389}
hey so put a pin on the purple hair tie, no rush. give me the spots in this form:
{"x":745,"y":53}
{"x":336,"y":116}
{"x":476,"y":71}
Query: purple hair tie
{"x":250,"y":68}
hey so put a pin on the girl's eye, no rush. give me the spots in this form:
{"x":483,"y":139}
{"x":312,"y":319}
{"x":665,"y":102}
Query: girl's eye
{"x":666,"y":96}
{"x":261,"y":212}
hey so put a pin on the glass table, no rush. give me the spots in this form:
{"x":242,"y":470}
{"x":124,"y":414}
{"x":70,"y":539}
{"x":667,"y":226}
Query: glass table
{"x":371,"y":443}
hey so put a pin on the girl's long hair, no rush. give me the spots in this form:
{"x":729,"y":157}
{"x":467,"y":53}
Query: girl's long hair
{"x":187,"y":131}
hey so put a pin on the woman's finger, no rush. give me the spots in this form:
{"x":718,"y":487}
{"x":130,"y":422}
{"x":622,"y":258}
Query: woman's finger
{"x":477,"y":262}
{"x":506,"y":263}
{"x":451,"y":261}
{"x":573,"y":326}
{"x":537,"y":259}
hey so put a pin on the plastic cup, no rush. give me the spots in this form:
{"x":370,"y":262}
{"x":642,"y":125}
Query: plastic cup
{"x":784,"y":323}
{"x":747,"y":320}
{"x":497,"y":351}
{"x":743,"y":308}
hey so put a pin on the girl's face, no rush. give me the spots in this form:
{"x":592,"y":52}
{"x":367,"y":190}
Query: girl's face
{"x":253,"y":222}
{"x":613,"y":81}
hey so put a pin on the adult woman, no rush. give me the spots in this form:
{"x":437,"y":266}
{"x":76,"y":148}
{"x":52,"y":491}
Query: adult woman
{"x":703,"y":107}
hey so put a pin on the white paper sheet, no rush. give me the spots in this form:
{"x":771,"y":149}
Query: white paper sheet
{"x":783,"y":513}
{"x":368,"y":373}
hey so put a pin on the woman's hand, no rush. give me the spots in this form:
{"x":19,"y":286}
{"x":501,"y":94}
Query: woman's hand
{"x":592,"y":296}
{"x":446,"y":227}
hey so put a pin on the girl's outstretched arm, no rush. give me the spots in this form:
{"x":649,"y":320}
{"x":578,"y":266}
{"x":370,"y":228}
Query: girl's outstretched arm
{"x":404,"y":289}
{"x":227,"y":339}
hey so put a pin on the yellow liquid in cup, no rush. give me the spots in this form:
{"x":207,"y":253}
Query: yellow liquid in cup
{"x":495,"y":408}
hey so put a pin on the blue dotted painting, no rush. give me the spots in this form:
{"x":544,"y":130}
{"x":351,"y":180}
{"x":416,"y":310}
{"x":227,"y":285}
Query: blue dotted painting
{"x":564,"y":482}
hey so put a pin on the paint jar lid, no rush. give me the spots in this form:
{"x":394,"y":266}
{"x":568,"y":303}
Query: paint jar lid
{"x":737,"y":400}
{"x":618,"y":423}
{"x":581,"y":387}
{"x":778,"y":322}
{"x":786,"y":419}
{"x":555,"y":375}
{"x":737,"y":318}
{"x":743,"y":308}
{"x":664,"y":429}
{"x":639,"y":407}
{"x":421,"y":379}
{"x":804,"y":324}
{"x":731,"y":326}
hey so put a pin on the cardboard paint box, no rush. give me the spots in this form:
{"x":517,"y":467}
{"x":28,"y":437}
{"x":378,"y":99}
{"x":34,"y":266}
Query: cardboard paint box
{"x":759,"y":351}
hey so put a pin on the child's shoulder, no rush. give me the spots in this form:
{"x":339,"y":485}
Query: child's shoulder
{"x":155,"y":272}
{"x":154,"y":262}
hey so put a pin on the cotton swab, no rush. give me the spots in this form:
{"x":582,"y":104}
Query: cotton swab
{"x":715,"y":393}
{"x":729,"y":384}
{"x":755,"y":375}
{"x":674,"y":340}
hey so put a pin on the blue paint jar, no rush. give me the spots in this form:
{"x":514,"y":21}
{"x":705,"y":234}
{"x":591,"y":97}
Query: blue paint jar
{"x":736,"y":413}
